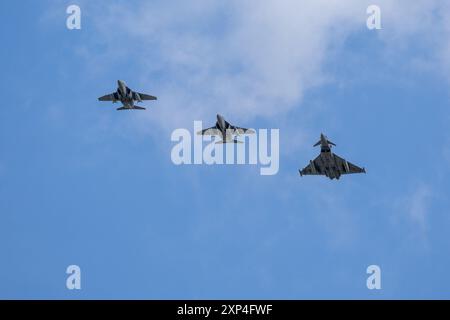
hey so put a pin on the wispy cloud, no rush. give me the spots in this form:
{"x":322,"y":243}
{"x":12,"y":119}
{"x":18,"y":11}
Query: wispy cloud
{"x":413,"y":210}
{"x":248,"y":59}
{"x":418,"y":207}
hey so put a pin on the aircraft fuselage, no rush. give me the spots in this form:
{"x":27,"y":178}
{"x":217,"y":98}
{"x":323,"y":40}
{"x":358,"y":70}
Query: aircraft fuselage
{"x":329,"y":164}
{"x":222,"y":125}
{"x":125,"y":95}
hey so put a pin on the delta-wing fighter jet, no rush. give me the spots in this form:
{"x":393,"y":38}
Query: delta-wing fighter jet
{"x":225,"y":130}
{"x":127,"y":97}
{"x":329,"y":164}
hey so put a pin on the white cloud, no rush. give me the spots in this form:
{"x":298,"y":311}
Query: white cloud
{"x":413,"y":211}
{"x":418,"y":33}
{"x":258,"y":61}
{"x":244,"y":59}
{"x":418,"y":206}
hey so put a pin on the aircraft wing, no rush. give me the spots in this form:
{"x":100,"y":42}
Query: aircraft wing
{"x":243,"y":130}
{"x":108,"y":97}
{"x":213,"y":131}
{"x":346,"y":167}
{"x":313,"y":168}
{"x":146,"y":96}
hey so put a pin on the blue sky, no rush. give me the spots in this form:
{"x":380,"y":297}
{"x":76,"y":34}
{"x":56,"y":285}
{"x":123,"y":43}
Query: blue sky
{"x":83,"y":184}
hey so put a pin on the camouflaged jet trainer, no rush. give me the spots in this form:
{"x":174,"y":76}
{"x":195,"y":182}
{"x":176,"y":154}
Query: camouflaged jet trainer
{"x":225,"y":130}
{"x":127,"y":97}
{"x":329,"y":164}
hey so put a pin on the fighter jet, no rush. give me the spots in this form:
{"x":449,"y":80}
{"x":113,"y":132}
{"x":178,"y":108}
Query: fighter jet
{"x":225,"y":130}
{"x":127,"y":97}
{"x":329,"y":164}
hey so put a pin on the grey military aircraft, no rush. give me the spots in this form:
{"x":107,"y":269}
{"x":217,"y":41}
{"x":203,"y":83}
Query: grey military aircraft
{"x":329,"y":164}
{"x":225,"y":130}
{"x":127,"y":97}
